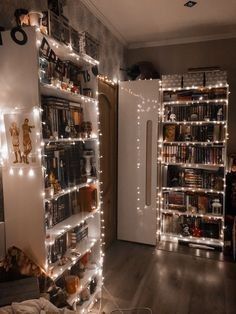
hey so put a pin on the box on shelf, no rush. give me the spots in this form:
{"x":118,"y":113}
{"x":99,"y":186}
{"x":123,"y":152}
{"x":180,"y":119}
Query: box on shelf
{"x":171,"y":81}
{"x":65,"y":30}
{"x":74,"y":39}
{"x":193,"y":79}
{"x":216,"y":77}
{"x":51,"y":25}
{"x":56,"y":6}
{"x":89,"y":45}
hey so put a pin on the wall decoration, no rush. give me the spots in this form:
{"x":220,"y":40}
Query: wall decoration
{"x":21,"y":138}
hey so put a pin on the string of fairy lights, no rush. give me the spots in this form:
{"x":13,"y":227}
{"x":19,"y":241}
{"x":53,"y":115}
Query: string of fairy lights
{"x":144,"y":105}
{"x":32,"y":171}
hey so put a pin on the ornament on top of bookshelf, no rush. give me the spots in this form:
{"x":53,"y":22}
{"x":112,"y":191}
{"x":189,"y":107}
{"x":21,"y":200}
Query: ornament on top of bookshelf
{"x":21,"y":17}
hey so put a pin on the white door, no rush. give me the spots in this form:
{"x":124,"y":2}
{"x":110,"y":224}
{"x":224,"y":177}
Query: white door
{"x":137,"y":160}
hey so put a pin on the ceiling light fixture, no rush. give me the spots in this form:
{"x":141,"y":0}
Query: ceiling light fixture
{"x":190,"y":4}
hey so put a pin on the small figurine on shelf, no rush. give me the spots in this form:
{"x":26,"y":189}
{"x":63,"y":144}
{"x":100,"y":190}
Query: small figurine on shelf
{"x":88,"y":155}
{"x":185,"y":230}
{"x":57,"y":187}
{"x":86,"y":129}
{"x":220,"y":115}
{"x":172,"y":117}
{"x":167,"y":113}
{"x":193,"y":117}
{"x":54,"y":183}
{"x":192,"y":209}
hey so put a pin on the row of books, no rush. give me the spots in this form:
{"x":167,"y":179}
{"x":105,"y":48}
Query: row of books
{"x":58,"y":249}
{"x":66,"y":166}
{"x":197,"y":133}
{"x":66,"y":241}
{"x":63,"y":120}
{"x":193,"y":154}
{"x":195,"y":178}
{"x":197,"y":112}
{"x":192,"y":203}
{"x":191,"y":226}
{"x":83,"y":200}
{"x":195,"y":94}
{"x":57,"y":210}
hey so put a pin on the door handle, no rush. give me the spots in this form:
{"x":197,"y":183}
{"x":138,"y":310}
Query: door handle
{"x":148,"y":179}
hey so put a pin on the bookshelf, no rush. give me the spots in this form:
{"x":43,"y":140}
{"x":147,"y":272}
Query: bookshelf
{"x":51,"y":187}
{"x":192,"y":159}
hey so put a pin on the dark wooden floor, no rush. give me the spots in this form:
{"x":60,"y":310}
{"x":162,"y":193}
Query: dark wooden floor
{"x":167,"y":282}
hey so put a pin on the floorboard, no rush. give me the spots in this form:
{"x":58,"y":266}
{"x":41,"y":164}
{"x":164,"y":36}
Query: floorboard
{"x":166,"y":282}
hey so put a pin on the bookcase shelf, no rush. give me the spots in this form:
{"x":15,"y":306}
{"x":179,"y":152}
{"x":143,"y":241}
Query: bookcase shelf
{"x":73,"y":256}
{"x":51,"y":90}
{"x":194,"y":165}
{"x":194,"y":122}
{"x":192,"y":189}
{"x":189,"y":214}
{"x":215,"y":143}
{"x":69,"y":140}
{"x":89,"y":274}
{"x":55,"y":214}
{"x":87,"y":305}
{"x":192,"y":146}
{"x":66,"y":52}
{"x":68,"y":224}
{"x":192,"y":102}
{"x":198,"y":240}
{"x":65,"y":191}
{"x":196,"y":87}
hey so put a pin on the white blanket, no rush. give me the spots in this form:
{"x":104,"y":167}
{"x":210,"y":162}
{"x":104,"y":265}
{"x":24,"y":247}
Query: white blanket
{"x":37,"y":306}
